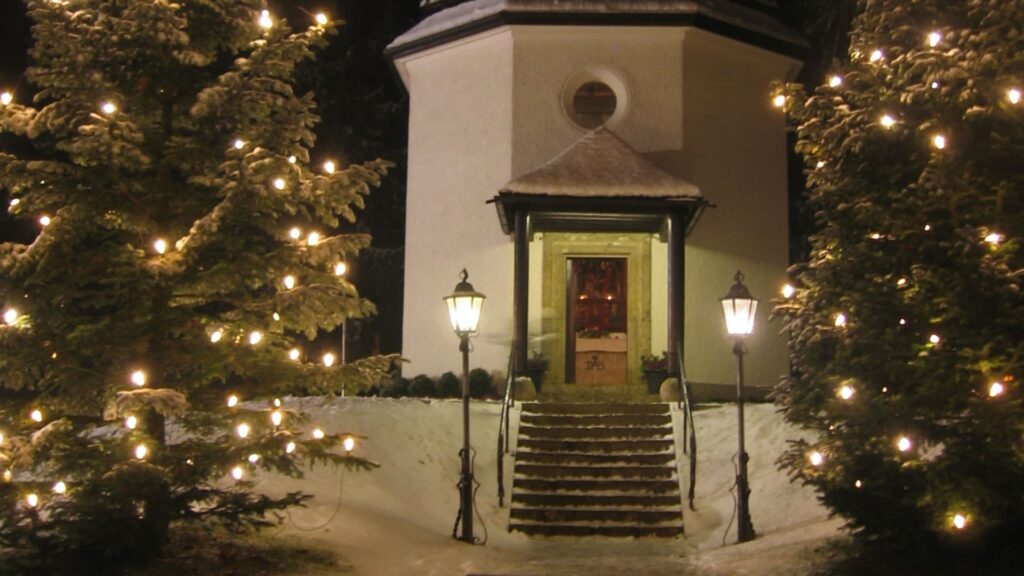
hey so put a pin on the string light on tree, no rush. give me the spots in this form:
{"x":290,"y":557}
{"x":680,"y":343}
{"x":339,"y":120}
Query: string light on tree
{"x":6,"y":98}
{"x":289,"y":447}
{"x":904,"y":444}
{"x":994,"y":238}
{"x":934,"y":38}
{"x":276,"y":317}
{"x":216,"y":335}
{"x":141,"y":451}
{"x":328,"y":359}
{"x":237,"y":473}
{"x":255,"y":337}
{"x":279,"y":183}
{"x":934,"y":339}
{"x":45,"y":220}
{"x":318,"y":434}
{"x":340,"y":269}
{"x":329,"y":167}
{"x":939,"y":141}
{"x":242,"y":430}
{"x":876,"y":55}
{"x":32,"y":500}
{"x":60,"y":487}
{"x":292,"y":159}
{"x":996,"y":389}
{"x":295,"y":233}
{"x":131,"y":422}
{"x":901,"y":282}
{"x":820,"y":164}
{"x":10,"y":316}
{"x":265,"y":21}
{"x":348,"y":443}
{"x":887,"y":121}
{"x":139,"y":378}
{"x":321,"y":19}
{"x":277,"y":402}
{"x":846,"y":392}
{"x":779,"y":100}
{"x":840,"y":320}
{"x":239,"y":144}
{"x":276,"y":417}
{"x":313,"y":239}
{"x":160,"y":245}
{"x":959,"y":521}
{"x":232,"y":401}
{"x":108,"y":108}
{"x":816,"y":458}
{"x":289,"y":282}
{"x":788,"y":291}
{"x":835,"y":81}
{"x":254,"y":458}
{"x":36,"y":415}
{"x":294,"y":354}
{"x":858,"y":484}
{"x":1013,"y":95}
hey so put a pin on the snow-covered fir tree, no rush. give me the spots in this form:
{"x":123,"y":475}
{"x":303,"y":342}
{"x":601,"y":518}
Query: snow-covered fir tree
{"x":186,"y":257}
{"x":907,"y":322}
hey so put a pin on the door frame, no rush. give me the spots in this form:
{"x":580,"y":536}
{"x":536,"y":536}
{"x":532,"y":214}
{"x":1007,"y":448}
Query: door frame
{"x":635,"y":247}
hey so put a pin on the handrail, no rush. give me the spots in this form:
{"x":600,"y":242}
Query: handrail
{"x":503,"y":435}
{"x":686,"y":404}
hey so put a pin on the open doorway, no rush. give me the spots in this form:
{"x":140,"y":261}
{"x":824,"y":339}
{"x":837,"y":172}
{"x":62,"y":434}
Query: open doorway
{"x":597,"y":339}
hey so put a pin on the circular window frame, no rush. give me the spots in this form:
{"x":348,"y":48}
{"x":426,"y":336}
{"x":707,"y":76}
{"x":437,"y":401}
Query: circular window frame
{"x":604,"y":76}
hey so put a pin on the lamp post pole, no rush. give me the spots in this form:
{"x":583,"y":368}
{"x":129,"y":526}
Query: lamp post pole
{"x":740,"y":309}
{"x":744,"y":526}
{"x":464,"y":306}
{"x":466,"y":479}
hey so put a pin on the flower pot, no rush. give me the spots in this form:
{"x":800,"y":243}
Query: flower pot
{"x":654,"y":380}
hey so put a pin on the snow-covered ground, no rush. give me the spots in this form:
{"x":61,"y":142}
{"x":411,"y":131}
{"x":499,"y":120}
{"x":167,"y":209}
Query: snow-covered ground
{"x":398,"y":519}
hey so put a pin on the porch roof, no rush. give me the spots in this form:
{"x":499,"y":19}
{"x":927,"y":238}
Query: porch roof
{"x":600,"y":165}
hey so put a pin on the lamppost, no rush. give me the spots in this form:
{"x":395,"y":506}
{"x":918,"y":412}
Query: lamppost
{"x":739,"y":307}
{"x":464,"y":305}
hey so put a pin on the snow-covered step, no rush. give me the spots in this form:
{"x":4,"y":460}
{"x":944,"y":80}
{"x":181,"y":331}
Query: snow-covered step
{"x":596,"y":469}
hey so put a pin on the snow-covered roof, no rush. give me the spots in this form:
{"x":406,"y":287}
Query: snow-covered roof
{"x":601,"y":165}
{"x":756,"y":17}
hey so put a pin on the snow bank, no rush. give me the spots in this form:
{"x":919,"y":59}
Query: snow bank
{"x":398,"y":519}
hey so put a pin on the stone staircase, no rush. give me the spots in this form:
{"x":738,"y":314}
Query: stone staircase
{"x":596,"y":469}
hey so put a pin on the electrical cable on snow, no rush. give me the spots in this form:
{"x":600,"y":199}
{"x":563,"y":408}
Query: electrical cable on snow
{"x":735,"y":501}
{"x":341,"y":485}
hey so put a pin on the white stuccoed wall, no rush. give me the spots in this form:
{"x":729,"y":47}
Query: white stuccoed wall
{"x":488,"y":108}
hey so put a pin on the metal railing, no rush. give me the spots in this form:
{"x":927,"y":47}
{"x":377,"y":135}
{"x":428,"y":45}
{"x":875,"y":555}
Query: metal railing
{"x":689,"y":431}
{"x":503,"y":436}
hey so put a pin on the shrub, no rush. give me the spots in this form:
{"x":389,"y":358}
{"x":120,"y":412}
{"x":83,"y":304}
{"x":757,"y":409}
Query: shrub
{"x":399,"y":388}
{"x":449,"y":385}
{"x":480,"y":383}
{"x":422,"y":386}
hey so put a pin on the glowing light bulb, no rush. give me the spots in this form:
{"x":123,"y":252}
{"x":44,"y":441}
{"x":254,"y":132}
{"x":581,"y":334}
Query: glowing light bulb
{"x":329,"y":167}
{"x":348,"y":443}
{"x":108,"y":108}
{"x":846,"y":392}
{"x":996,"y":389}
{"x":15,"y":202}
{"x":328,"y":359}
{"x":816,"y":458}
{"x":1013,"y":95}
{"x":858,"y":484}
{"x":292,"y":159}
{"x":131,"y":422}
{"x":934,"y":339}
{"x":321,"y":19}
{"x":32,"y":500}
{"x":289,"y":447}
{"x":276,"y":317}
{"x":935,"y":85}
{"x":904,"y":444}
{"x":318,"y":434}
{"x":254,"y":458}
{"x":875,"y":236}
{"x":279,"y":183}
{"x":10,"y":316}
{"x":295,"y":233}
{"x":216,"y":335}
{"x":959,"y":521}
{"x":60,"y":487}
{"x":232,"y":401}
{"x":255,"y":337}
{"x":779,"y":100}
{"x":289,"y":281}
{"x":276,"y":417}
{"x":313,"y":239}
{"x":139,"y":377}
{"x":36,"y":415}
{"x":141,"y":451}
{"x":237,"y":473}
{"x":876,"y":55}
{"x":788,"y":291}
{"x":835,"y":81}
{"x":8,"y":475}
{"x":6,"y":98}
{"x":265,"y":21}
{"x":887,"y":121}
{"x":901,"y":282}
{"x":1,"y":438}
{"x":934,"y":38}
{"x":45,"y":220}
{"x":160,"y":245}
{"x":294,"y":354}
{"x":340,"y":269}
{"x":840,"y":320}
{"x":820,"y":164}
{"x":903,"y":321}
{"x":939,"y":141}
{"x":239,"y":144}
{"x":242,"y":430}
{"x":277,"y":402}
{"x":994,"y":238}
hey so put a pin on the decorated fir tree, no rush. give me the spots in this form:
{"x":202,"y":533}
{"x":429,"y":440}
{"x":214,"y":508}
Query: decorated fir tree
{"x":184,"y":263}
{"x":907,"y":322}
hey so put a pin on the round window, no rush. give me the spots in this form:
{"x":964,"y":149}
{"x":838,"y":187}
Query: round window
{"x":593,"y":104}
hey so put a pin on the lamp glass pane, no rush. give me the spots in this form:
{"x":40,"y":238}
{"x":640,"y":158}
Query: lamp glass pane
{"x":739,"y":316}
{"x":464,"y":312}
